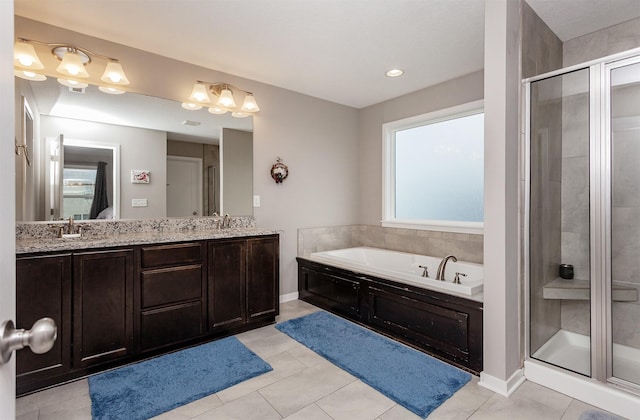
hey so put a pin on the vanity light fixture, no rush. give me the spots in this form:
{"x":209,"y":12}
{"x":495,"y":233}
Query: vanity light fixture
{"x":72,"y":68}
{"x":225,"y":97}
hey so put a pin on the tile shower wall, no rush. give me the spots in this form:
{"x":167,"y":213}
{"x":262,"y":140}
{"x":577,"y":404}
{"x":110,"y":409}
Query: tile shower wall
{"x":467,"y":247}
{"x":626,"y":206}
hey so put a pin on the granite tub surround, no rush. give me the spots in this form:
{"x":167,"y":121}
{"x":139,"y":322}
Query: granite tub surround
{"x":34,"y":237}
{"x":466,"y":247}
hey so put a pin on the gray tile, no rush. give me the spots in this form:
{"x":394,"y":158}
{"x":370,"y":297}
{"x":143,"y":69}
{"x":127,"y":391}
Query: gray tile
{"x":538,"y":393}
{"x":356,"y":401}
{"x":310,"y":412}
{"x":501,"y":408}
{"x":296,"y":392}
{"x":250,"y":407}
{"x":270,"y":345}
{"x":283,"y":364}
{"x":305,"y":355}
{"x":56,"y":394}
{"x":29,"y":415}
{"x":398,"y":412}
{"x":76,"y":408}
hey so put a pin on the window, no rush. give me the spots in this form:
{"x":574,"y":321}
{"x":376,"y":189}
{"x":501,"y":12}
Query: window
{"x":434,"y":170}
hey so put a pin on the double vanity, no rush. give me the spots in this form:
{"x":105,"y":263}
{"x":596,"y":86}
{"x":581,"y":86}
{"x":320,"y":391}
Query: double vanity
{"x":130,"y":290}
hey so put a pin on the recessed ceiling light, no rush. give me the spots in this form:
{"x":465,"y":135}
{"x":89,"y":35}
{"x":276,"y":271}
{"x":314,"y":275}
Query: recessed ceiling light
{"x":395,"y":73}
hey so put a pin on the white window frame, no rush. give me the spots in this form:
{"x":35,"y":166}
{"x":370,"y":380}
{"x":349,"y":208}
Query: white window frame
{"x":388,"y":170}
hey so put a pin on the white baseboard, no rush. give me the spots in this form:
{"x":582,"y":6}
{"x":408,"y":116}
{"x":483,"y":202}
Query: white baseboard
{"x":584,"y":389}
{"x":288,"y":297}
{"x":502,"y":387}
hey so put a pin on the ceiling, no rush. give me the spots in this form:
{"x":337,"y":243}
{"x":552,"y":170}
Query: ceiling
{"x":337,"y":50}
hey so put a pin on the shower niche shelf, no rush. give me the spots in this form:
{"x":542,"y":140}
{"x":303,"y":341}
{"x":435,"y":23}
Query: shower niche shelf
{"x":579,"y":290}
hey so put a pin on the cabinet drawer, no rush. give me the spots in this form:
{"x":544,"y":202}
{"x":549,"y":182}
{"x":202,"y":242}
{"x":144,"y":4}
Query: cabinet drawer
{"x":168,"y":255}
{"x":170,"y":325}
{"x":171,"y":285}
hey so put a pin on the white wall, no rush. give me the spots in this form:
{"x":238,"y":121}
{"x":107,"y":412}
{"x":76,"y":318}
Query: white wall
{"x":139,"y":149}
{"x":444,"y":95}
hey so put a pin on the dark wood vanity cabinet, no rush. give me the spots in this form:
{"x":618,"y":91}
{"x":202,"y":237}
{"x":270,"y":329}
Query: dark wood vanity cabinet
{"x":119,"y":305}
{"x":43,"y":289}
{"x":102,"y":306}
{"x":227,"y":284}
{"x":172,"y":289}
{"x":243,"y":282}
{"x":443,"y":325}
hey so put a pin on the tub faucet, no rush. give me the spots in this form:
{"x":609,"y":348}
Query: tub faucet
{"x":443,"y":265}
{"x":425,"y":270}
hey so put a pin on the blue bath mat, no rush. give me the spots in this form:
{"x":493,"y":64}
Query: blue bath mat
{"x":413,"y":379}
{"x":151,"y":387}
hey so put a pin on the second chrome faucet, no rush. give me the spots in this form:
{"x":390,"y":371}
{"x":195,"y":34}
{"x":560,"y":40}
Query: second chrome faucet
{"x":443,"y":266}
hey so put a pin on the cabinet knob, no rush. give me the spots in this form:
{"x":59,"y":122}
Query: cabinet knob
{"x":40,"y":338}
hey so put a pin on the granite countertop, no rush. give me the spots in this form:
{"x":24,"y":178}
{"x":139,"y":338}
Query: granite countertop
{"x":53,"y":244}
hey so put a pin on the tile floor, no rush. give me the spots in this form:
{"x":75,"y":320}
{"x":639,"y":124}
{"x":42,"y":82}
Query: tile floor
{"x":304,"y":386}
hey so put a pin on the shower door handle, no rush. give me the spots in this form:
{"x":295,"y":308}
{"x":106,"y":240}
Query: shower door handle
{"x":40,"y":338}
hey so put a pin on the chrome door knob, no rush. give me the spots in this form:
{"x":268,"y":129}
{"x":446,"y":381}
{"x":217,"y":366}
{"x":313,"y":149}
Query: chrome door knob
{"x":40,"y":338}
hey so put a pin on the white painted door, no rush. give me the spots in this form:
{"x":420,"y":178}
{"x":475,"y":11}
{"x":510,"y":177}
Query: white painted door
{"x":184,"y":186}
{"x":7,"y":204}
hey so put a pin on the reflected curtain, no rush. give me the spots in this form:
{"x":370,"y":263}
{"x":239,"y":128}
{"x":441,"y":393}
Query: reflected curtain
{"x":100,"y":199}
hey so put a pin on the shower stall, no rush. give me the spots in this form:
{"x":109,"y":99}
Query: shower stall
{"x":582,"y":193}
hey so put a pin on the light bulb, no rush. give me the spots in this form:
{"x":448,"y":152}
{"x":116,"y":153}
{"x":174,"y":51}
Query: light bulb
{"x":199,"y":94}
{"x":24,"y":55}
{"x":114,"y":74}
{"x":72,"y":65}
{"x":250,"y":104}
{"x":226,"y":99}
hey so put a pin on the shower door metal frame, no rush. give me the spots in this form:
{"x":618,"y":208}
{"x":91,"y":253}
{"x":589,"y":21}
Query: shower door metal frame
{"x":606,"y":146}
{"x":599,"y":217}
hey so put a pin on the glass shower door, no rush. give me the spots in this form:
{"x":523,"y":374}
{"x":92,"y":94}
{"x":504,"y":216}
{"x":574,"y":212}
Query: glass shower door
{"x":624,"y":131}
{"x":559,"y":222}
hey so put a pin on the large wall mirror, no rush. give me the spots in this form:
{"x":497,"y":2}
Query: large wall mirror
{"x":159,"y":160}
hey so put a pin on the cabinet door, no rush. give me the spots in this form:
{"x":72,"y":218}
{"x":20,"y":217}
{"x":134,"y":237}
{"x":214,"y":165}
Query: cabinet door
{"x":43,"y":289}
{"x":226,"y":268}
{"x":262,"y":277}
{"x":102,"y":306}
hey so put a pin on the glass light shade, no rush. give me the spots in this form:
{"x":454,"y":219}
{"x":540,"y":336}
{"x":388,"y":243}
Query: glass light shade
{"x":240,"y":114}
{"x":199,"y":94}
{"x":250,"y":104}
{"x":191,"y":106}
{"x":114,"y":74}
{"x":24,"y":56}
{"x":71,"y":65}
{"x":72,"y":83}
{"x":226,"y":99}
{"x":217,"y":110}
{"x":29,"y":75}
{"x":111,"y":90}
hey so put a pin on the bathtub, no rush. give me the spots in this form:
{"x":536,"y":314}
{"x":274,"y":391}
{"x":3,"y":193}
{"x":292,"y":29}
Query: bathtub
{"x":404,"y":267}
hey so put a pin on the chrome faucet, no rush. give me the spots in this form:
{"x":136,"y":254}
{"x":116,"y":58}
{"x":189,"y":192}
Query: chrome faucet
{"x":443,"y":265}
{"x":226,"y":221}
{"x":425,"y":270}
{"x":70,"y":226}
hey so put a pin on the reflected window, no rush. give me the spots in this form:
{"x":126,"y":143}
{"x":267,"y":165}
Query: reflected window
{"x":78,"y":187}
